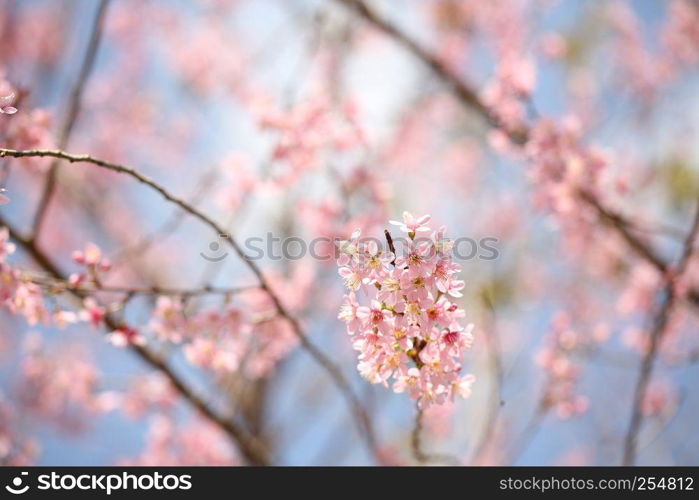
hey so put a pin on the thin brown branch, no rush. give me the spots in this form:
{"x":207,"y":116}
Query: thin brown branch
{"x":254,"y":451}
{"x":59,"y":286}
{"x":74,"y":104}
{"x":362,"y":420}
{"x":169,"y":227}
{"x":391,"y":246}
{"x":660,"y":323}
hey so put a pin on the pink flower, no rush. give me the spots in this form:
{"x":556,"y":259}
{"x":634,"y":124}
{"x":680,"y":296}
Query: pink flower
{"x":125,"y":335}
{"x":410,"y":224}
{"x":409,"y":331}
{"x":6,"y":248}
{"x":64,"y":318}
{"x":419,"y":259}
{"x":6,"y":102}
{"x":348,"y":312}
{"x":91,"y":257}
{"x":375,"y":261}
{"x":375,"y":316}
{"x":28,"y":301}
{"x":349,"y":249}
{"x":353,"y":278}
{"x":168,"y":321}
{"x":92,"y":312}
{"x":464,"y":385}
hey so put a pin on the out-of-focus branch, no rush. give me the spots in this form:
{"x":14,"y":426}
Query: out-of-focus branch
{"x":59,"y":286}
{"x":641,"y":248}
{"x":362,"y":420}
{"x":253,"y":450}
{"x":660,"y":323}
{"x":74,"y":103}
{"x":494,"y":399}
{"x":420,"y":455}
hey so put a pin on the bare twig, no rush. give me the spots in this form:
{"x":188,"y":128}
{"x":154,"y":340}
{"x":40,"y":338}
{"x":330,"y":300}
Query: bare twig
{"x":73,"y":110}
{"x":252,"y":449}
{"x":391,"y":246}
{"x":65,"y":286}
{"x":362,"y":420}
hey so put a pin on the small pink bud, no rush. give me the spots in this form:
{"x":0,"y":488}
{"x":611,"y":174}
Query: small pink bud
{"x":78,"y":257}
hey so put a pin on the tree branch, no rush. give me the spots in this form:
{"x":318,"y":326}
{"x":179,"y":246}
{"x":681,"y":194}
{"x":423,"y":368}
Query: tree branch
{"x":420,"y":455}
{"x":660,"y":322}
{"x":252,"y":449}
{"x":57,"y":285}
{"x":74,"y":103}
{"x":363,"y":422}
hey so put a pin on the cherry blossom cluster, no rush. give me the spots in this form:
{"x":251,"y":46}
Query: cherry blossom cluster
{"x":246,"y":338}
{"x":16,"y":295}
{"x":561,"y":165}
{"x":409,"y":330}
{"x":15,"y":447}
{"x":307,"y":131}
{"x":647,"y":71}
{"x":198,"y":442}
{"x":60,"y":385}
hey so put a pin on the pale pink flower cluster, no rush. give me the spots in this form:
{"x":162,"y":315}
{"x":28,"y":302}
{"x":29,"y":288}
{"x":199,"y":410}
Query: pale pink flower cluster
{"x":561,"y":166}
{"x":61,"y":385}
{"x":660,"y":399}
{"x":249,"y":338}
{"x":15,"y":447}
{"x":504,"y":27}
{"x":17,"y":296}
{"x":195,"y":57}
{"x":647,"y":71}
{"x":150,"y":392}
{"x":409,"y":330}
{"x":4,"y":199}
{"x":197,"y":443}
{"x":28,"y":130}
{"x":562,"y":373}
{"x":680,"y":34}
{"x":307,"y":131}
{"x":506,"y":94}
